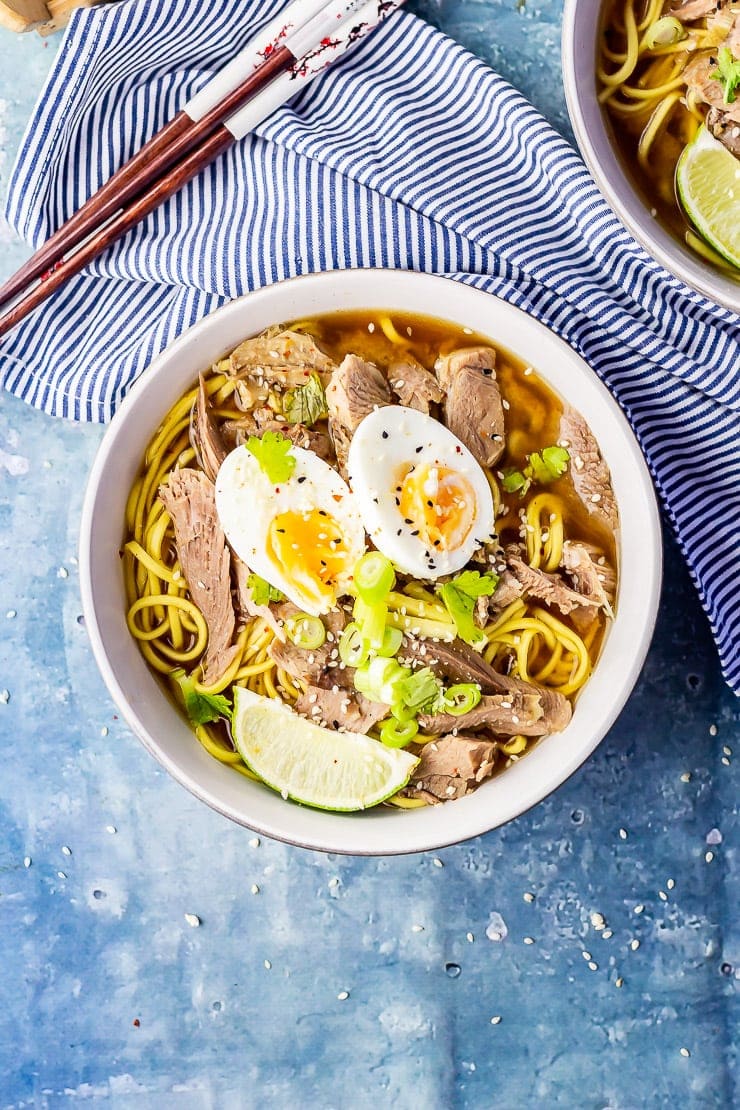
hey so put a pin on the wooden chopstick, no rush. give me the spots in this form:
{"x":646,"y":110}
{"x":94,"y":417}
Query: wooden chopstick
{"x":176,"y":139}
{"x":166,"y":162}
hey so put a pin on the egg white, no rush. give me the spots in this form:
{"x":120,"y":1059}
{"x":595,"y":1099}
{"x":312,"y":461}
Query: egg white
{"x":247,"y":502}
{"x":388,"y":439}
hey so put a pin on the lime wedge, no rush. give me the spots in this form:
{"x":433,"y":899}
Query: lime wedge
{"x":708,"y":181}
{"x":342,"y":771}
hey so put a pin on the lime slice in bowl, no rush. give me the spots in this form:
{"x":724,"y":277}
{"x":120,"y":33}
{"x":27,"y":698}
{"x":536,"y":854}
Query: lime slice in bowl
{"x":708,"y":182}
{"x":341,"y":771}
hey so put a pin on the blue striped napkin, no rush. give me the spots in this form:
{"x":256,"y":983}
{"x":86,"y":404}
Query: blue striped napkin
{"x":408,"y":153}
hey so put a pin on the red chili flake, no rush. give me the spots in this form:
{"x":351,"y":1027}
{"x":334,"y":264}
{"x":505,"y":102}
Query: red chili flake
{"x":137,"y":1023}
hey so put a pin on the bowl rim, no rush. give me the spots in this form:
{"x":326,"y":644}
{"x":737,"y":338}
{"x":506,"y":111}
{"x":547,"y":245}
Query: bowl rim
{"x":596,"y":147}
{"x":426,"y":287}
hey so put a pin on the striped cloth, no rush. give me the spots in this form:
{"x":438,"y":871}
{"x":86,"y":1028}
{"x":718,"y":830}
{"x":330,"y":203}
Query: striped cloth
{"x":409,"y":153}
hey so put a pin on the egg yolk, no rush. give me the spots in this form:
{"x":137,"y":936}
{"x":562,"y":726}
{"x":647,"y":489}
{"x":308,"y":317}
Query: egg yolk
{"x":310,"y":551}
{"x":439,"y":502}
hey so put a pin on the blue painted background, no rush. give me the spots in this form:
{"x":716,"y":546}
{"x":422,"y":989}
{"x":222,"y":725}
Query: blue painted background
{"x":108,"y":993}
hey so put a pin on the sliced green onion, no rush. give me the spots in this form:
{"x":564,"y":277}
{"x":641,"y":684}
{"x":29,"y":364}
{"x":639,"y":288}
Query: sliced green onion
{"x":392,"y":640}
{"x":664,"y":32}
{"x":461,"y":698}
{"x":374,"y":577}
{"x":354,"y":650}
{"x":402,"y":711}
{"x":305,"y":631}
{"x":371,"y":619}
{"x":396,"y":735}
{"x":379,"y":678}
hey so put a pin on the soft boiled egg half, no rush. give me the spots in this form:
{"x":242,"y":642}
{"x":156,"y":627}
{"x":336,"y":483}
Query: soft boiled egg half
{"x":424,"y":499}
{"x":303,"y":535}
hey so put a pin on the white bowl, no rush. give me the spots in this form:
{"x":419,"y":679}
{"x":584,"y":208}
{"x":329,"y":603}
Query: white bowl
{"x":580,"y":44}
{"x":142,"y":701}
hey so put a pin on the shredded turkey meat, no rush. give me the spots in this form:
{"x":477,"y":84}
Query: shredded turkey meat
{"x":189,"y":498}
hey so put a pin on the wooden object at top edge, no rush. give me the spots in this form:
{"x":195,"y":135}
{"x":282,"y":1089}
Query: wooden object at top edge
{"x":44,"y":16}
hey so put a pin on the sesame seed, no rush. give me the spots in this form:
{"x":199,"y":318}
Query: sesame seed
{"x":639,"y":908}
{"x":725,"y":761}
{"x":437,"y":862}
{"x":61,"y":874}
{"x":529,"y":940}
{"x":686,"y":776}
{"x":709,"y":856}
{"x":712,"y":730}
{"x":622,"y":834}
{"x":670,"y":883}
{"x":268,"y":965}
{"x":66,"y":851}
{"x":596,"y":497}
{"x":727,"y":749}
{"x":469,"y":937}
{"x":496,"y":1019}
{"x":104,"y":731}
{"x":111,"y":829}
{"x":11,"y":614}
{"x":619,"y":982}
{"x":634,"y":944}
{"x":528,"y":896}
{"x":342,"y":996}
{"x":193,"y":920}
{"x":62,"y":573}
{"x":586,"y":955}
{"x":598,"y":921}
{"x":593,"y":965}
{"x":4,"y":697}
{"x":417,"y":928}
{"x":27,"y":861}
{"x":663,"y":896}
{"x":684,"y":1051}
{"x":254,"y":889}
{"x":607,"y":934}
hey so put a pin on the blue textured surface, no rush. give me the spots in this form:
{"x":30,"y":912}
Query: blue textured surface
{"x":101,"y":855}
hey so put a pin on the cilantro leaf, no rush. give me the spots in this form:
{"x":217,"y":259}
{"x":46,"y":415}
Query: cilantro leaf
{"x":728,"y":73}
{"x":421,"y":692}
{"x":459,"y":597}
{"x":262,"y":591}
{"x":475,"y":584}
{"x":548,"y":464}
{"x":306,"y":403}
{"x":272,"y":452}
{"x":514,"y":480}
{"x":201,"y":708}
{"x":542,"y":466}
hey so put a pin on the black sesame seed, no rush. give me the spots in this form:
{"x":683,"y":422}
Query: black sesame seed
{"x":407,"y":520}
{"x":400,"y":530}
{"x":418,"y":449}
{"x":415,"y":533}
{"x":385,"y":435}
{"x":302,"y":479}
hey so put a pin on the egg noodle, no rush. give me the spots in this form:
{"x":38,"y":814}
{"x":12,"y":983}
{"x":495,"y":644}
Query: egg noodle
{"x":172,"y":633}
